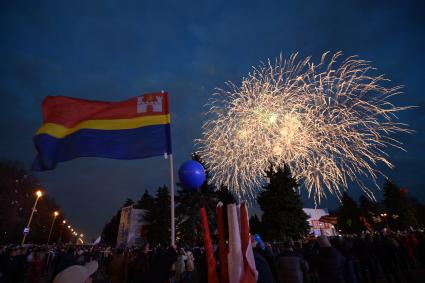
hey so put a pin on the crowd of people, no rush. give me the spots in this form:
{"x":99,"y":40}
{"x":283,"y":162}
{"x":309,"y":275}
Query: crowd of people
{"x":379,"y":257}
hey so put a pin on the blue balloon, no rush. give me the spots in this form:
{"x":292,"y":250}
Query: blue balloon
{"x":192,"y":175}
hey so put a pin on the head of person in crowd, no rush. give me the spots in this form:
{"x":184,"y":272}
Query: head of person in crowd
{"x":119,"y":251}
{"x":70,"y":251}
{"x":146,"y":248}
{"x":77,"y":273}
{"x":13,"y":252}
{"x":288,"y":245}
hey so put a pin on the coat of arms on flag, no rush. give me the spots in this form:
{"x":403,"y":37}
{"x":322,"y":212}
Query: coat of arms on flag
{"x":149,"y":103}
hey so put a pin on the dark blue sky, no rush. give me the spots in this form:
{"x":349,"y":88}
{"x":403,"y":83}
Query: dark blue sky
{"x":113,"y":50}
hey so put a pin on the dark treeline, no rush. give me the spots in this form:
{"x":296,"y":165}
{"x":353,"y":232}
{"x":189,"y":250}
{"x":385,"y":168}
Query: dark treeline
{"x":397,"y":211}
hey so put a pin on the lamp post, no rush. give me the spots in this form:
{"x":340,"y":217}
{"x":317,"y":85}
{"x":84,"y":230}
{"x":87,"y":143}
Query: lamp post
{"x":76,"y":236}
{"x":27,"y":229}
{"x":70,"y":233}
{"x":55,"y":215}
{"x":384,"y":215}
{"x":60,"y":235}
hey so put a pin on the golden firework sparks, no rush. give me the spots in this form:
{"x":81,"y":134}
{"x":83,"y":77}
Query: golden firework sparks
{"x":331,"y":122}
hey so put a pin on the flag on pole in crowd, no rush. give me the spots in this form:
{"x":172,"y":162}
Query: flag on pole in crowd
{"x":131,"y":129}
{"x":97,"y":241}
{"x":209,"y":252}
{"x":235,"y":258}
{"x":224,"y":273}
{"x":238,"y":260}
{"x":250,"y":273}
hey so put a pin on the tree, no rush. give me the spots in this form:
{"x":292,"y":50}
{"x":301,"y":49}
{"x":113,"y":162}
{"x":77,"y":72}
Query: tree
{"x":283,"y":216}
{"x":419,"y":211}
{"x":160,"y":218}
{"x":400,"y":210}
{"x":146,"y":202}
{"x":225,"y":196}
{"x":255,"y":225}
{"x":368,"y":209}
{"x":110,"y":230}
{"x":349,"y":215}
{"x":128,"y":202}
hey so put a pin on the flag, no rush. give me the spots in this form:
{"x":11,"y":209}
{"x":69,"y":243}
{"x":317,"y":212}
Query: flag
{"x":212,"y":272}
{"x":97,"y":241}
{"x":250,"y":273}
{"x":235,"y":258}
{"x":224,"y":273}
{"x":131,"y":129}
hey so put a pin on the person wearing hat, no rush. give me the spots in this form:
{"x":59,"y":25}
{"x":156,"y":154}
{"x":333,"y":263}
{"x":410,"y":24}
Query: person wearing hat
{"x":77,"y":273}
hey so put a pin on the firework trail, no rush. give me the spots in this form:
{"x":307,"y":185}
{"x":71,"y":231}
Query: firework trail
{"x":332,"y":123}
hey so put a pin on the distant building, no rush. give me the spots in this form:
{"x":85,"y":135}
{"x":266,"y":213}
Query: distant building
{"x":131,"y":231}
{"x":318,"y":227}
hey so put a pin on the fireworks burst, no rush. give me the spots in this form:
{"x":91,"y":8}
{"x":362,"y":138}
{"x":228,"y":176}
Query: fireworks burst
{"x":331,"y":123}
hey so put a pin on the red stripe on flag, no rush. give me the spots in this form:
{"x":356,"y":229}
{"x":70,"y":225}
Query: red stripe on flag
{"x":68,"y":111}
{"x":212,"y":273}
{"x":248,"y":275}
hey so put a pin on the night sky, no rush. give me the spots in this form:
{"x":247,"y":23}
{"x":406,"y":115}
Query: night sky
{"x":114,"y":50}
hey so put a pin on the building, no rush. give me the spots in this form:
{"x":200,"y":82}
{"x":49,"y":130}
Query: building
{"x":317,"y":225}
{"x":133,"y":224}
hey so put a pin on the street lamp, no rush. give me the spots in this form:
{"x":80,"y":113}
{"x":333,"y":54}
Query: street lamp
{"x":384,"y":215}
{"x":60,"y":235}
{"x":39,"y":193}
{"x":55,"y":215}
{"x":76,"y":237}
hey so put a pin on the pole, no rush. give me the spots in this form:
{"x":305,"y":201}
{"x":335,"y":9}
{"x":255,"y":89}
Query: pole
{"x":29,"y":221}
{"x":173,"y":223}
{"x":51,"y":229}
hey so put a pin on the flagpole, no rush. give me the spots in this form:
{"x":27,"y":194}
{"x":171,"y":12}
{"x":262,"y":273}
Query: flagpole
{"x":171,"y":166}
{"x":173,"y":224}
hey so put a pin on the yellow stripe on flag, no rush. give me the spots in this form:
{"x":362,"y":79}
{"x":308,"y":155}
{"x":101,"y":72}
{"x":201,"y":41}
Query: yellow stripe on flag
{"x":60,"y":131}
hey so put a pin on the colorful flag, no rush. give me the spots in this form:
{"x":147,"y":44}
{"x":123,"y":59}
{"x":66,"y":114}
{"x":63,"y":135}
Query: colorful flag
{"x":132,"y":129}
{"x":235,"y":258}
{"x":209,"y":252}
{"x":224,"y":273}
{"x":250,"y":273}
